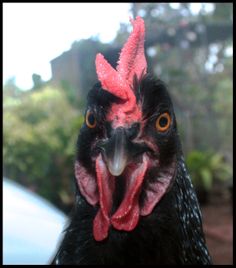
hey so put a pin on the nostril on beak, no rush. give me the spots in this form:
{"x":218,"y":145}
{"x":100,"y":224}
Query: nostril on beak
{"x":133,"y":131}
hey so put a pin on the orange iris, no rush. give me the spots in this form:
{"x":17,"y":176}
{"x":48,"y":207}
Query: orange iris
{"x":163,"y":122}
{"x":90,"y":120}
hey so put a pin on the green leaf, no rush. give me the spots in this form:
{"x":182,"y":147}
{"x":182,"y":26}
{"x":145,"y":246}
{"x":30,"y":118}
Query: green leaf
{"x":206,"y":177}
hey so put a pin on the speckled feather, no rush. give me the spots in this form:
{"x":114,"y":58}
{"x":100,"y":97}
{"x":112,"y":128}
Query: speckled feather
{"x":172,"y":234}
{"x":194,"y":244}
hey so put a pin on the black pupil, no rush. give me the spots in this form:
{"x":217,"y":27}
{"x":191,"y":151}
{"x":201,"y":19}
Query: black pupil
{"x":163,"y":121}
{"x":91,"y":119}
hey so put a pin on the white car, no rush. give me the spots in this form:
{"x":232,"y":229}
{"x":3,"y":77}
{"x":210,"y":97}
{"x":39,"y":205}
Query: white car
{"x":32,"y":227}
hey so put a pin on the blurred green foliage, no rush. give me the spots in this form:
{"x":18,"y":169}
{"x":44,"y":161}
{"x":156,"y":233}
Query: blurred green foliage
{"x":39,"y":137}
{"x":207,"y":167}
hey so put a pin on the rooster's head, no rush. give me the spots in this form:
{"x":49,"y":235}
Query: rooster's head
{"x":128,"y":145}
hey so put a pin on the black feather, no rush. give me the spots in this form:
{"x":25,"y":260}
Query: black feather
{"x":172,"y":233}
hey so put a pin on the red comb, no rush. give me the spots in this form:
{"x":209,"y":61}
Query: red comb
{"x":132,"y":58}
{"x":111,"y":80}
{"x":132,"y":62}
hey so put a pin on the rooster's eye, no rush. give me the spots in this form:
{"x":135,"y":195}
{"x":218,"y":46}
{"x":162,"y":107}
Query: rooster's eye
{"x":163,"y":122}
{"x":90,"y":120}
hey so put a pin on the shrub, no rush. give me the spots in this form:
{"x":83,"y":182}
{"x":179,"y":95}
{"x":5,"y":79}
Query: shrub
{"x":40,"y":129}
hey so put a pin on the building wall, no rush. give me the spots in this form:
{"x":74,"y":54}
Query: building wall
{"x":66,"y":68}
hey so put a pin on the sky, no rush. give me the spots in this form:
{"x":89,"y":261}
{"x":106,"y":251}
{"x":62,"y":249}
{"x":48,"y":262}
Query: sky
{"x":35,"y":33}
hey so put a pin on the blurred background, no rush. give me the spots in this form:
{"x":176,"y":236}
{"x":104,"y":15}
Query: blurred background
{"x":49,"y":66}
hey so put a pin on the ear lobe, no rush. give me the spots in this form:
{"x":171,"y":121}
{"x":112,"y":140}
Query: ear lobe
{"x":87,"y":184}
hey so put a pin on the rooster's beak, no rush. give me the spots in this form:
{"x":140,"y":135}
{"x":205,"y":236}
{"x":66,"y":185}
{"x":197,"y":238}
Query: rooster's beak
{"x":119,"y":150}
{"x":115,"y":152}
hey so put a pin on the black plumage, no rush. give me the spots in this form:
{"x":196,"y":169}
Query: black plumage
{"x":172,"y":233}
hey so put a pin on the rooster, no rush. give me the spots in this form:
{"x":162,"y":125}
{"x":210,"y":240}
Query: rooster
{"x":135,"y":203}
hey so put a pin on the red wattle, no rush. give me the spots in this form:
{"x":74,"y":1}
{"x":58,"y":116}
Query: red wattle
{"x":106,"y":187}
{"x":127,"y":215}
{"x":101,"y":226}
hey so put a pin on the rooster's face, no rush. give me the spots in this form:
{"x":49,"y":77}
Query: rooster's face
{"x":126,"y":168}
{"x":128,"y":144}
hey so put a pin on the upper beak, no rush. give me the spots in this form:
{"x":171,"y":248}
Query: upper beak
{"x":119,"y":150}
{"x":115,"y":152}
